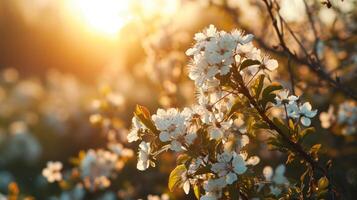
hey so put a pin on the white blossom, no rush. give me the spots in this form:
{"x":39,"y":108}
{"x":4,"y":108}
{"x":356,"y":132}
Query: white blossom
{"x":283,"y":97}
{"x":172,"y":127}
{"x":327,"y":118}
{"x":306,"y":113}
{"x":217,"y":133}
{"x":53,"y":171}
{"x":136,"y":127}
{"x":201,"y":71}
{"x":213,"y":189}
{"x":277,"y":178}
{"x":229,"y":165}
{"x":97,"y":166}
{"x":144,"y":156}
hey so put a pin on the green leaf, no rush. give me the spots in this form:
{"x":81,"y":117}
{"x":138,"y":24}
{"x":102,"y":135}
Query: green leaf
{"x":249,"y":62}
{"x":266,"y":99}
{"x":175,"y":178}
{"x":197,"y":191}
{"x":323,"y":183}
{"x":307,"y":131}
{"x":280,"y":124}
{"x":314,"y":150}
{"x":271,"y":88}
{"x":291,"y":124}
{"x":143,"y":114}
{"x":267,"y":95}
{"x":258,"y":86}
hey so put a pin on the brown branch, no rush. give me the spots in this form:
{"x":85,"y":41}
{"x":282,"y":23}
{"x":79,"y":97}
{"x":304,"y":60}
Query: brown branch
{"x":295,"y":147}
{"x":312,"y":24}
{"x":313,"y":64}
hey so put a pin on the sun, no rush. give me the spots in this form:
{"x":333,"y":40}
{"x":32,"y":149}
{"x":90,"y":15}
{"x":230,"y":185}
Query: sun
{"x":103,"y":16}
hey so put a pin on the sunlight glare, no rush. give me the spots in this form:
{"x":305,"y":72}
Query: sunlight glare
{"x":104,"y":16}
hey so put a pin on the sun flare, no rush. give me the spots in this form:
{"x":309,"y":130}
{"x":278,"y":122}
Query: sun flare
{"x":104,"y":16}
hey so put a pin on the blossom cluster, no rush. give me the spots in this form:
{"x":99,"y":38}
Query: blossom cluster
{"x":293,"y":109}
{"x":212,"y":136}
{"x":98,"y":166}
{"x":95,"y":169}
{"x":179,"y":131}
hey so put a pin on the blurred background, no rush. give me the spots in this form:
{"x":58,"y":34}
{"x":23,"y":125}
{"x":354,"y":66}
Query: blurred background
{"x":62,"y":62}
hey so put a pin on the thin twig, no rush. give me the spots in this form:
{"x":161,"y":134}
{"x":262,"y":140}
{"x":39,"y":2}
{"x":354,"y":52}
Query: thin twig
{"x":313,"y":65}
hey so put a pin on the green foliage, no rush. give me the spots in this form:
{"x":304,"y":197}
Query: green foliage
{"x":249,"y":62}
{"x":257,"y":86}
{"x":175,"y":178}
{"x":144,"y":116}
{"x":268,"y":95}
{"x":197,"y":191}
{"x":280,"y":124}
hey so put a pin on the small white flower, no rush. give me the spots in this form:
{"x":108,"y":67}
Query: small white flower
{"x":133,"y":134}
{"x":219,"y":52}
{"x":97,"y":166}
{"x":268,"y":172}
{"x":240,"y":38}
{"x":217,"y":133}
{"x":269,"y":64}
{"x":213,"y":189}
{"x":201,"y":71}
{"x":201,"y":40}
{"x":144,"y":156}
{"x":172,"y":127}
{"x":53,"y":171}
{"x":327,"y":118}
{"x":306,"y":113}
{"x":283,"y":98}
{"x":254,"y":160}
{"x":186,"y":177}
{"x":277,"y":177}
{"x":248,"y":51}
{"x":229,"y":165}
{"x":293,"y":110}
{"x":244,"y":140}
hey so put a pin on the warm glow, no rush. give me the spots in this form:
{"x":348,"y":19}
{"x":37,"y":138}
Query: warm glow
{"x":104,"y":16}
{"x":109,"y":16}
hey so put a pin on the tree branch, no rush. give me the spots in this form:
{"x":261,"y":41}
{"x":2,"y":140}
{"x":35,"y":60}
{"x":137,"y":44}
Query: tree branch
{"x":313,"y":64}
